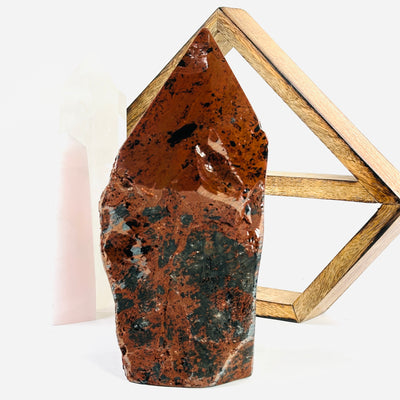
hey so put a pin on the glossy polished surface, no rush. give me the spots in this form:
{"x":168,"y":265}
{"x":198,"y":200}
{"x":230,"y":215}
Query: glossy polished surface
{"x":182,"y":228}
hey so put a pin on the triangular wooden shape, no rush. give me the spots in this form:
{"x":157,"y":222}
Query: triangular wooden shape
{"x":375,"y":179}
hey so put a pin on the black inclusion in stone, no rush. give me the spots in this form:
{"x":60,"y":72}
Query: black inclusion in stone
{"x":140,"y":332}
{"x":181,"y":134}
{"x":146,"y":249}
{"x":182,"y":63}
{"x":122,"y":302}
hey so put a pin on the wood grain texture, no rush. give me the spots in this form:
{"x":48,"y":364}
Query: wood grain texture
{"x":374,"y":179}
{"x":276,"y":303}
{"x":329,"y":187}
{"x":355,"y":152}
{"x":349,"y":263}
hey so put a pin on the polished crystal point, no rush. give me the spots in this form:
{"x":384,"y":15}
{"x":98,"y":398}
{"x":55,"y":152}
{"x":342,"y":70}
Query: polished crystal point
{"x":182,"y":220}
{"x":93,"y":113}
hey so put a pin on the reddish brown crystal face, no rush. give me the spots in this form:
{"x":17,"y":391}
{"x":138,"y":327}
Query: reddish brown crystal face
{"x":182,"y":228}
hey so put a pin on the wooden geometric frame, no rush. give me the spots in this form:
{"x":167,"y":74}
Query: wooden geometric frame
{"x":374,"y":179}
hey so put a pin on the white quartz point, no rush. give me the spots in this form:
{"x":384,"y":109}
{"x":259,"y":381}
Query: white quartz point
{"x":75,"y":293}
{"x":94,"y":113}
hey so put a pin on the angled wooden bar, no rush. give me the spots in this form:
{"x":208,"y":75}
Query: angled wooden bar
{"x":374,"y":179}
{"x":337,"y":133}
{"x":316,"y":186}
{"x":276,"y":303}
{"x":336,"y":278}
{"x":349,"y":263}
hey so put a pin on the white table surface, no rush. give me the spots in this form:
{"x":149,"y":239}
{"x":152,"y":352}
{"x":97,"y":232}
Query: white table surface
{"x":348,"y":48}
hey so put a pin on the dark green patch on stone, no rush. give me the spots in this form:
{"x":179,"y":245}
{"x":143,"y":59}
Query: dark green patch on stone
{"x":164,"y":378}
{"x":120,"y":212}
{"x":156,"y":370}
{"x":160,"y":290}
{"x":122,"y":302}
{"x":238,"y":331}
{"x":168,"y":249}
{"x":156,"y":213}
{"x":247,"y":354}
{"x":186,"y":365}
{"x":140,"y":332}
{"x":205,"y":360}
{"x":213,"y":262}
{"x":131,"y":278}
{"x":146,"y":298}
{"x":186,"y":219}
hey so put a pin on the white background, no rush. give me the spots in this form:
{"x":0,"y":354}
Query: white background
{"x":348,"y":48}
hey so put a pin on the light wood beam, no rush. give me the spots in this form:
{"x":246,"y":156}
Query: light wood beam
{"x":345,"y":141}
{"x":349,"y":263}
{"x":316,"y":186}
{"x":276,"y":303}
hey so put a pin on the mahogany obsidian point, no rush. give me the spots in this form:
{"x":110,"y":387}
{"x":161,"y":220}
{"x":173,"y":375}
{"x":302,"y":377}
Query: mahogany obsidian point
{"x":182,"y":223}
